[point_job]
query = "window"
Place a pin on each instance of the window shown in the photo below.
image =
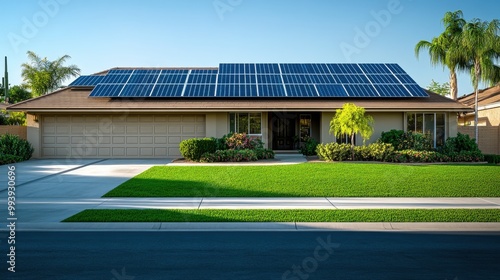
(249, 123)
(305, 127)
(433, 124)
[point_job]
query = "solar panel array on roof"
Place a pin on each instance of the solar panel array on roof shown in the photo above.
(252, 80)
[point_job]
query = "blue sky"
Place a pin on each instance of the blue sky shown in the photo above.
(104, 34)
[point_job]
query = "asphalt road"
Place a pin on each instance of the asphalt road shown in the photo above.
(252, 255)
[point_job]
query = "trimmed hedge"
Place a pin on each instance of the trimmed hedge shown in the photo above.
(334, 151)
(230, 156)
(386, 152)
(193, 149)
(237, 155)
(492, 158)
(14, 149)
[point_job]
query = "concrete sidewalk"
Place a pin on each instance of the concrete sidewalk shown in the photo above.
(262, 203)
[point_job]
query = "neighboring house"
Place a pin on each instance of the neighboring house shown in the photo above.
(488, 107)
(147, 112)
(488, 119)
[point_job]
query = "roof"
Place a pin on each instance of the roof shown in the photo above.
(361, 84)
(256, 80)
(3, 105)
(486, 97)
(78, 100)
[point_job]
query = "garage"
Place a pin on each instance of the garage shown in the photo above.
(118, 135)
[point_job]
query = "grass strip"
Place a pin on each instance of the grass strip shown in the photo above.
(222, 215)
(315, 180)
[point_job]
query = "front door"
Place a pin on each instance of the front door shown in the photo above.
(284, 133)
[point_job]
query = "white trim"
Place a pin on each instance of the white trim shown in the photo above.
(156, 82)
(126, 83)
(185, 83)
(282, 81)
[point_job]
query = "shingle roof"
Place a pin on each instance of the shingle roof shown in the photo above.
(485, 97)
(78, 100)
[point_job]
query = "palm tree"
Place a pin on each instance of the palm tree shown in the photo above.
(442, 48)
(480, 44)
(43, 75)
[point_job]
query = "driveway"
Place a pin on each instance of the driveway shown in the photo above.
(38, 181)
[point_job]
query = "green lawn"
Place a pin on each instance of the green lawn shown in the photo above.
(378, 215)
(315, 180)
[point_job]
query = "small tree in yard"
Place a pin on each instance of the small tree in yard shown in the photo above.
(350, 120)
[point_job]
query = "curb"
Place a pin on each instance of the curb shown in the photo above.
(493, 228)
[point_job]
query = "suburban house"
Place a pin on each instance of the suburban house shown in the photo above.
(147, 112)
(488, 101)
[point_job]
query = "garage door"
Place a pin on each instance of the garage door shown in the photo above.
(118, 136)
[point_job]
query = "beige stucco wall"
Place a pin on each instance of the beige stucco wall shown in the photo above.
(486, 117)
(384, 122)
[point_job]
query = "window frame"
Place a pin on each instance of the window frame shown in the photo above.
(435, 126)
(234, 123)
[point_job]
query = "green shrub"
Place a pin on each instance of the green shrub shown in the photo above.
(264, 153)
(14, 149)
(221, 143)
(334, 151)
(377, 151)
(393, 137)
(401, 140)
(416, 156)
(3, 119)
(193, 149)
(458, 144)
(309, 148)
(466, 156)
(15, 118)
(492, 158)
(241, 141)
(229, 156)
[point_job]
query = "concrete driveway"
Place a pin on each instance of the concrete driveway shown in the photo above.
(38, 181)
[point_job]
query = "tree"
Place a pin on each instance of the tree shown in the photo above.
(441, 89)
(480, 44)
(350, 120)
(442, 49)
(43, 75)
(18, 94)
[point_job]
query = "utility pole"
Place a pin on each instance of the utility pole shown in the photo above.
(6, 82)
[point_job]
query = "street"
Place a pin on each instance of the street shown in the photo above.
(252, 255)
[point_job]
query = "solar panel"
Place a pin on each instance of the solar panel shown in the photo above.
(167, 90)
(136, 90)
(301, 91)
(139, 78)
(106, 90)
(331, 91)
(178, 78)
(250, 80)
(199, 91)
(361, 91)
(120, 71)
(115, 79)
(271, 91)
(87, 81)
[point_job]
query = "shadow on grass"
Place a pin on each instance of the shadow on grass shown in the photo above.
(137, 187)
